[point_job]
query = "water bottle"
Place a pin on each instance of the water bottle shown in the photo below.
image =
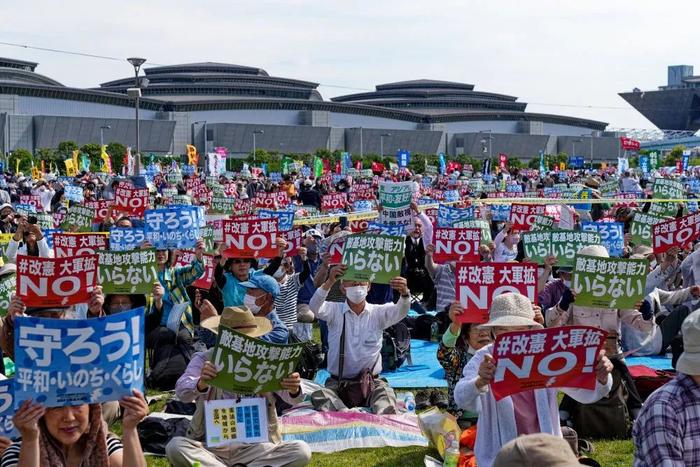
(434, 331)
(410, 402)
(451, 457)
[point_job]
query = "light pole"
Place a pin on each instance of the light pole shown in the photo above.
(204, 138)
(102, 136)
(490, 139)
(381, 142)
(256, 132)
(136, 62)
(573, 146)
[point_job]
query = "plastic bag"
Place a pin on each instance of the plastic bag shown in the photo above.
(440, 428)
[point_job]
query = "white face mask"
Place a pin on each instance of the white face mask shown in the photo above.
(356, 294)
(249, 302)
(567, 283)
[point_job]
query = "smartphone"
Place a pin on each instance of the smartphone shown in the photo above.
(32, 220)
(343, 222)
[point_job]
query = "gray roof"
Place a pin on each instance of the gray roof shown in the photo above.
(424, 83)
(14, 63)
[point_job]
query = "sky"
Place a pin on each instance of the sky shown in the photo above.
(562, 57)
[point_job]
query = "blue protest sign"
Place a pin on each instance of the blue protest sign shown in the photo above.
(48, 235)
(7, 408)
(447, 215)
(403, 157)
(306, 171)
(286, 218)
(543, 169)
(611, 235)
(74, 193)
(125, 238)
(63, 362)
(694, 185)
(336, 178)
(583, 194)
(174, 226)
(384, 229)
(514, 188)
(362, 205)
(500, 212)
(644, 164)
(427, 201)
(275, 177)
(188, 170)
(684, 160)
(692, 206)
(452, 196)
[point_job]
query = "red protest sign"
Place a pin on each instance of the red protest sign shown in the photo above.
(358, 225)
(456, 244)
(522, 216)
(546, 358)
(478, 283)
(333, 201)
(252, 238)
(680, 232)
(101, 208)
(48, 282)
(361, 195)
(78, 244)
(185, 258)
(293, 238)
(271, 200)
(32, 200)
(130, 200)
(628, 144)
(202, 194)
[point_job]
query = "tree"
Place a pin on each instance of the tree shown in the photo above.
(673, 156)
(66, 148)
(25, 159)
(116, 152)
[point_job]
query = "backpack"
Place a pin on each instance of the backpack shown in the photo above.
(396, 347)
(156, 432)
(608, 418)
(311, 357)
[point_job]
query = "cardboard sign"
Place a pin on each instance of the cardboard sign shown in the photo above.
(127, 272)
(564, 244)
(79, 361)
(174, 226)
(680, 232)
(49, 282)
(251, 366)
(78, 244)
(396, 195)
(641, 227)
(78, 219)
(546, 358)
(456, 244)
(333, 201)
(8, 285)
(235, 421)
(286, 218)
(293, 238)
(7, 408)
(451, 217)
(130, 200)
(375, 227)
(478, 283)
(254, 238)
(372, 258)
(523, 216)
(126, 238)
(101, 208)
(612, 235)
(609, 282)
(185, 258)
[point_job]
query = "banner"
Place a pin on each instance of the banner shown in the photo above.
(50, 282)
(612, 235)
(680, 232)
(641, 227)
(67, 244)
(79, 361)
(126, 239)
(130, 200)
(609, 282)
(374, 227)
(127, 272)
(333, 201)
(456, 244)
(546, 358)
(522, 216)
(174, 226)
(372, 258)
(251, 366)
(478, 283)
(285, 218)
(78, 219)
(255, 238)
(628, 144)
(564, 244)
(396, 195)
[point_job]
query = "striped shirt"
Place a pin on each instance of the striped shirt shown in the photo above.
(10, 457)
(286, 301)
(445, 285)
(175, 282)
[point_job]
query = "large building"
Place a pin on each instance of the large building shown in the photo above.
(675, 106)
(237, 107)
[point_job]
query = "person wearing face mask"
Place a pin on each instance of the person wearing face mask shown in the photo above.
(261, 292)
(506, 244)
(355, 332)
(7, 219)
(290, 283)
(312, 241)
(549, 292)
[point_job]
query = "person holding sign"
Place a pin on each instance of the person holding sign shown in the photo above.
(506, 244)
(355, 341)
(28, 240)
(522, 413)
(262, 291)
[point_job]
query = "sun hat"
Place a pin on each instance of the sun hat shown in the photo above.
(7, 268)
(313, 233)
(540, 449)
(689, 361)
(239, 319)
(594, 250)
(511, 309)
(591, 182)
(643, 250)
(262, 281)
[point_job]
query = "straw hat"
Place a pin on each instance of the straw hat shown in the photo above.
(239, 319)
(591, 182)
(511, 309)
(689, 361)
(594, 250)
(537, 449)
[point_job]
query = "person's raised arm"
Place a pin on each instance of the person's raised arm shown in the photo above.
(429, 263)
(135, 409)
(26, 420)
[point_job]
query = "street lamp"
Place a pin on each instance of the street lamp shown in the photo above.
(102, 136)
(381, 142)
(256, 132)
(136, 62)
(490, 139)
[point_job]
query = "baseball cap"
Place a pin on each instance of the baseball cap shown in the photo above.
(264, 282)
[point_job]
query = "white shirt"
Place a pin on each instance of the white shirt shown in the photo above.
(363, 333)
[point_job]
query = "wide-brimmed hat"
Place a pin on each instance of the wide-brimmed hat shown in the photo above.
(537, 449)
(7, 268)
(591, 182)
(239, 319)
(511, 309)
(594, 250)
(643, 250)
(689, 361)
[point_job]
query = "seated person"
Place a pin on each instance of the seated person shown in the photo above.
(261, 292)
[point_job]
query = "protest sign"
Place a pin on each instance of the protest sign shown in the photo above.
(126, 238)
(222, 204)
(584, 194)
(45, 220)
(360, 225)
(251, 366)
(185, 258)
(77, 244)
(174, 226)
(8, 285)
(680, 232)
(448, 216)
(375, 227)
(25, 209)
(609, 282)
(293, 238)
(127, 272)
(49, 282)
(611, 235)
(522, 216)
(48, 235)
(478, 283)
(499, 212)
(79, 361)
(235, 421)
(101, 208)
(207, 234)
(395, 195)
(130, 200)
(401, 216)
(333, 201)
(546, 358)
(286, 218)
(665, 188)
(252, 238)
(74, 193)
(641, 227)
(31, 200)
(480, 224)
(372, 258)
(456, 244)
(7, 408)
(78, 219)
(564, 244)
(278, 199)
(542, 223)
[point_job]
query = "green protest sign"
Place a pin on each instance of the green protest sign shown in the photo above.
(127, 272)
(610, 187)
(44, 220)
(431, 169)
(207, 234)
(396, 195)
(542, 223)
(251, 366)
(564, 244)
(373, 258)
(222, 205)
(641, 227)
(174, 178)
(614, 283)
(665, 188)
(476, 224)
(7, 289)
(78, 219)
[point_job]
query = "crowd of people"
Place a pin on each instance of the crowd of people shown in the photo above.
(280, 299)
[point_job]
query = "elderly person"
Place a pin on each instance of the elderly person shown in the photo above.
(261, 292)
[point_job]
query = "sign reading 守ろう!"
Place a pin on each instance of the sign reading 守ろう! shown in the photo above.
(63, 362)
(560, 243)
(174, 226)
(251, 238)
(7, 408)
(611, 235)
(372, 258)
(126, 238)
(609, 282)
(128, 272)
(49, 282)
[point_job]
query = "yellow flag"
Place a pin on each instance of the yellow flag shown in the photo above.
(562, 166)
(192, 157)
(70, 168)
(36, 174)
(106, 161)
(17, 166)
(76, 153)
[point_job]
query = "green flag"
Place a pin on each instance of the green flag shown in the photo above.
(318, 167)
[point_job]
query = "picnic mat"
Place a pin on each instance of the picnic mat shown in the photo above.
(657, 362)
(338, 431)
(425, 372)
